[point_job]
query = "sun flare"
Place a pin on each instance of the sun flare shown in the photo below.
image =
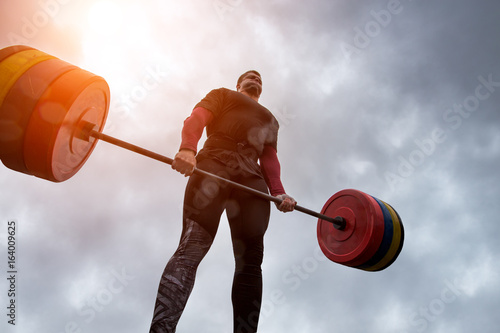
(105, 17)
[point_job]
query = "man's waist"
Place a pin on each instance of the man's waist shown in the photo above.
(227, 143)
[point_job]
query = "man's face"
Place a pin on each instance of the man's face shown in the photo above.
(251, 84)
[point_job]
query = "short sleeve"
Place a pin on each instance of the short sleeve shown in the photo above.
(213, 101)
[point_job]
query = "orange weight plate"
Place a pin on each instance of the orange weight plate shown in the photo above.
(52, 149)
(18, 105)
(15, 65)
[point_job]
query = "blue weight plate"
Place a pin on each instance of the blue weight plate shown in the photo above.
(386, 239)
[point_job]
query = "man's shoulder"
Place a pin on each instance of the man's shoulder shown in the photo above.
(219, 94)
(221, 90)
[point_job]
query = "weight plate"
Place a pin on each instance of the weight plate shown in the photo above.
(387, 239)
(12, 67)
(8, 51)
(51, 149)
(364, 231)
(397, 242)
(18, 106)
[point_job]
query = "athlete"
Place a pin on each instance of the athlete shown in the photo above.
(241, 145)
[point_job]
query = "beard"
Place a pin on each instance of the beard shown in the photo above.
(252, 89)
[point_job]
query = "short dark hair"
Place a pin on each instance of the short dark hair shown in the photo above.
(244, 74)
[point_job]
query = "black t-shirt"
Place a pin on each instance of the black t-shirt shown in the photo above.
(242, 119)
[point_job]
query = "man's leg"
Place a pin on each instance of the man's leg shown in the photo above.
(248, 216)
(177, 280)
(203, 205)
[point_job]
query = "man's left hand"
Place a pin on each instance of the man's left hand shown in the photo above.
(287, 204)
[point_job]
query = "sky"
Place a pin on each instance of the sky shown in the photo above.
(398, 99)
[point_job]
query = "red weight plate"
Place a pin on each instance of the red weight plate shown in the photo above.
(387, 240)
(52, 149)
(361, 237)
(397, 243)
(18, 106)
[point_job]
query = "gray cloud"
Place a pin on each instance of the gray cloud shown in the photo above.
(383, 120)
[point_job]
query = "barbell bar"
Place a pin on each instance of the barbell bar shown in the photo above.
(88, 131)
(52, 115)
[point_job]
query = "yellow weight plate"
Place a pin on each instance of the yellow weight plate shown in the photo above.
(17, 108)
(12, 67)
(396, 243)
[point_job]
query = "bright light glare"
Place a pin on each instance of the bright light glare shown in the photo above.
(105, 17)
(103, 39)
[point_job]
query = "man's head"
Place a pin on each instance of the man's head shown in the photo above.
(250, 82)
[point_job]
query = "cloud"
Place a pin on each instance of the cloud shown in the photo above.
(397, 105)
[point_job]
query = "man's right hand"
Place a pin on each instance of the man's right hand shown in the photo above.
(184, 162)
(287, 204)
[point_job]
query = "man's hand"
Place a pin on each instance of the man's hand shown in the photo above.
(287, 204)
(184, 162)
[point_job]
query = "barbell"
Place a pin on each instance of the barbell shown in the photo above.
(52, 115)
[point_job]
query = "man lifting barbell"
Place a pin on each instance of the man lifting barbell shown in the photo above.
(51, 117)
(240, 132)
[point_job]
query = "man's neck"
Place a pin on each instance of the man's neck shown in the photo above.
(255, 98)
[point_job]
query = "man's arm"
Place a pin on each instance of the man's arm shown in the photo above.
(193, 128)
(184, 160)
(271, 169)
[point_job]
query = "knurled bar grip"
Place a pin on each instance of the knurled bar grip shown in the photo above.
(338, 221)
